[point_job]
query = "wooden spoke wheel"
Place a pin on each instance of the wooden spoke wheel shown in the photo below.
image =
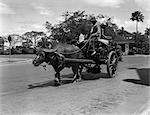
(112, 63)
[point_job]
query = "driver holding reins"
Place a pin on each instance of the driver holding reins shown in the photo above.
(97, 32)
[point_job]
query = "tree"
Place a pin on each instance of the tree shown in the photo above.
(15, 39)
(146, 42)
(138, 17)
(141, 41)
(66, 14)
(74, 24)
(147, 32)
(33, 36)
(70, 29)
(121, 32)
(48, 26)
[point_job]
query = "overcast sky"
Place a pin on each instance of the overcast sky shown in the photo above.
(20, 16)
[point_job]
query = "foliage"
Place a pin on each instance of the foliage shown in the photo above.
(139, 38)
(141, 41)
(121, 31)
(48, 26)
(70, 29)
(33, 36)
(147, 32)
(15, 38)
(1, 40)
(74, 24)
(138, 17)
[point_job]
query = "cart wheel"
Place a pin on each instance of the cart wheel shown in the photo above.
(112, 63)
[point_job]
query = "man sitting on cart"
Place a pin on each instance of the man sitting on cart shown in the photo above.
(97, 32)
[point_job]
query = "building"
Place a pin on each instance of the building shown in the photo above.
(125, 43)
(125, 40)
(1, 45)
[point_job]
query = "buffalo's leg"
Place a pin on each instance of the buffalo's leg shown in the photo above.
(80, 68)
(57, 75)
(57, 78)
(58, 67)
(80, 71)
(77, 75)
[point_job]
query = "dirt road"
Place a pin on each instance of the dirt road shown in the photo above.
(126, 94)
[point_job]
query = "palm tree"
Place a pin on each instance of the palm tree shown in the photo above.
(138, 17)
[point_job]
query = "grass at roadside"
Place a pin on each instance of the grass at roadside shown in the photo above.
(28, 56)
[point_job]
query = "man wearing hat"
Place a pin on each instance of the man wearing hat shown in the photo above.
(97, 32)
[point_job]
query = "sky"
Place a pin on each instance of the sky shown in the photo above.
(20, 16)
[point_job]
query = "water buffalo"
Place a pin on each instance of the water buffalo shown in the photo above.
(56, 58)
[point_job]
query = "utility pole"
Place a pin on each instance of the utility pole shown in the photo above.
(9, 39)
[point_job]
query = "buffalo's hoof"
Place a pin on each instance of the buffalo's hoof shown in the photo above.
(114, 75)
(76, 80)
(57, 83)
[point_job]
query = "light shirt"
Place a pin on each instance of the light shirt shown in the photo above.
(81, 38)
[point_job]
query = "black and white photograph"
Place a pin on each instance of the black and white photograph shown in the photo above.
(74, 57)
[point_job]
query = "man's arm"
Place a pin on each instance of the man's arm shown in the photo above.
(106, 37)
(98, 31)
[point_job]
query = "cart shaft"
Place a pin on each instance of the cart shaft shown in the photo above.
(79, 60)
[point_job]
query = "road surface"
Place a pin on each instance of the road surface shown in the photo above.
(126, 94)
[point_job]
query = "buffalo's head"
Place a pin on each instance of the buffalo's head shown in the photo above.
(40, 57)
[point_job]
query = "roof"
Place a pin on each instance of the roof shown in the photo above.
(127, 33)
(121, 40)
(124, 32)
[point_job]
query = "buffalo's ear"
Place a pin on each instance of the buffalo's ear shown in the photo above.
(45, 50)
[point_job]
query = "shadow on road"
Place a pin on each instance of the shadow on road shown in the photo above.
(46, 84)
(144, 76)
(66, 79)
(94, 76)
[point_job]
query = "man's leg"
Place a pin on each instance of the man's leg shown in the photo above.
(93, 46)
(104, 41)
